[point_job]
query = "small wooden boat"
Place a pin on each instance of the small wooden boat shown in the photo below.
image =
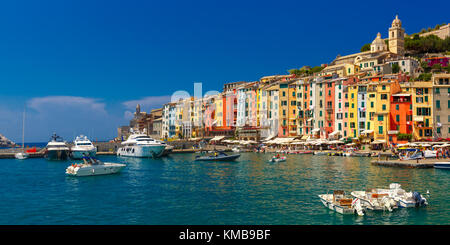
(219, 156)
(342, 204)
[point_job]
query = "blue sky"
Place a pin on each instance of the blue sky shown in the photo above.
(78, 66)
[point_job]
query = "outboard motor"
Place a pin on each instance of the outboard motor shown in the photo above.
(356, 204)
(418, 199)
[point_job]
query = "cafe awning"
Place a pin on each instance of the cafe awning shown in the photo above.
(334, 133)
(217, 138)
(378, 142)
(367, 132)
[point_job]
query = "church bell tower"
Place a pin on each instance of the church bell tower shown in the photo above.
(397, 37)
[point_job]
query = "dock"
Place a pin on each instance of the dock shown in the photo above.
(422, 163)
(12, 155)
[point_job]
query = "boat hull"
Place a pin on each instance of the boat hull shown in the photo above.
(281, 159)
(78, 154)
(103, 169)
(219, 158)
(141, 151)
(442, 165)
(56, 155)
(334, 207)
(374, 204)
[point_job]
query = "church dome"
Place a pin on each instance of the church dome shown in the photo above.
(378, 44)
(396, 22)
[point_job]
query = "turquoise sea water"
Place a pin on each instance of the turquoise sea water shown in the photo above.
(177, 190)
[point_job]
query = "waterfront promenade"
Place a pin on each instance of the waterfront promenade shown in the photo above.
(381, 158)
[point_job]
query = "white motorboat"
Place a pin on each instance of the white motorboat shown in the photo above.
(92, 167)
(56, 149)
(83, 147)
(442, 165)
(429, 154)
(348, 152)
(22, 155)
(235, 149)
(338, 202)
(278, 159)
(375, 201)
(403, 198)
(141, 145)
(410, 154)
(323, 153)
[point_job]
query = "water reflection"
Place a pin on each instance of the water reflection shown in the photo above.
(179, 190)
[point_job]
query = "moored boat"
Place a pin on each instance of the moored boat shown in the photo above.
(56, 149)
(403, 198)
(236, 149)
(82, 147)
(341, 203)
(141, 145)
(321, 153)
(218, 156)
(429, 154)
(442, 165)
(21, 155)
(410, 154)
(375, 201)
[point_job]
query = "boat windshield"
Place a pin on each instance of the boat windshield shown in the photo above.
(84, 144)
(91, 160)
(142, 137)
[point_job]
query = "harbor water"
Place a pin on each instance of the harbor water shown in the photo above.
(178, 190)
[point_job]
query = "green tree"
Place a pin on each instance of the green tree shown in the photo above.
(297, 72)
(366, 47)
(437, 67)
(424, 77)
(316, 69)
(395, 68)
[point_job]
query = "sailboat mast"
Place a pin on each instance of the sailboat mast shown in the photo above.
(23, 131)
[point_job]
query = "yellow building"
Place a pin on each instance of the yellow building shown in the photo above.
(382, 104)
(422, 109)
(284, 109)
(218, 112)
(292, 108)
(259, 106)
(353, 110)
(343, 70)
(371, 108)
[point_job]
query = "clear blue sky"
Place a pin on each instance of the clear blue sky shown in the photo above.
(77, 66)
